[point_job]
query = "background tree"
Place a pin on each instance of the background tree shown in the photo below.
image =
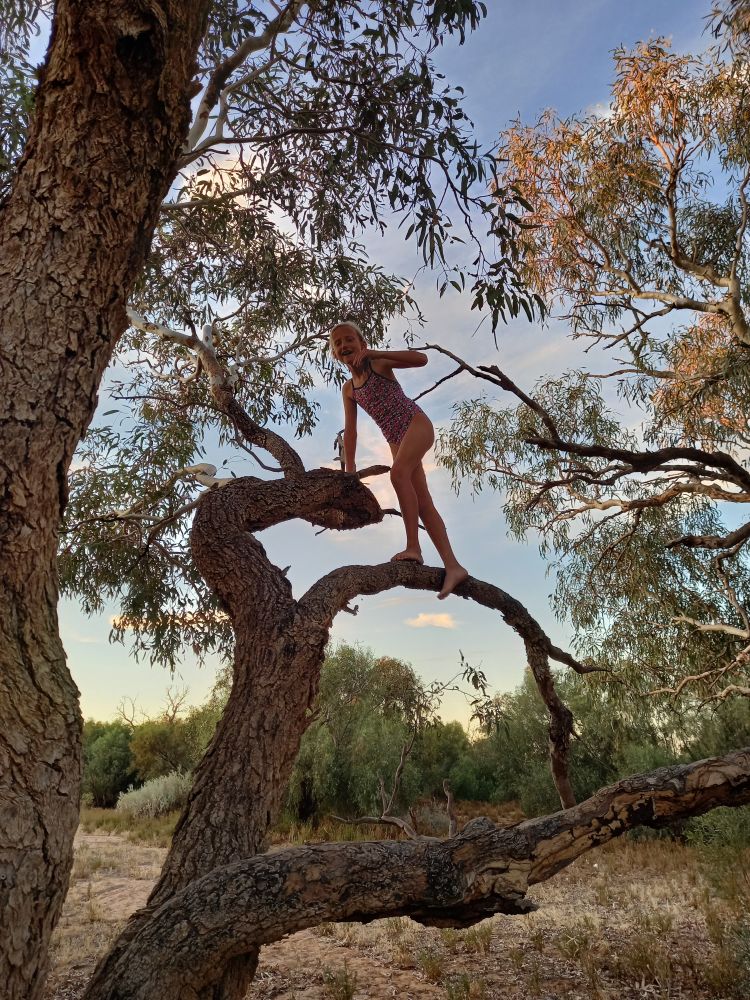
(636, 233)
(442, 754)
(614, 738)
(361, 723)
(158, 747)
(108, 767)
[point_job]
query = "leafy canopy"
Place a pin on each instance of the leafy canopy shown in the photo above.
(315, 125)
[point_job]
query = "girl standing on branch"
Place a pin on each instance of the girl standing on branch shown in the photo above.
(408, 431)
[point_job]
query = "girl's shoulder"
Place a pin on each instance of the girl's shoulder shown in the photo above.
(382, 367)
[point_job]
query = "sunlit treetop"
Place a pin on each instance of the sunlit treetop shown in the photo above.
(730, 23)
(635, 231)
(640, 212)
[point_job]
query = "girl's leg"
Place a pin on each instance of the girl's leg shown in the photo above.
(407, 456)
(415, 500)
(433, 522)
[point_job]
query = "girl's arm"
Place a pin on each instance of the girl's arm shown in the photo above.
(350, 428)
(394, 359)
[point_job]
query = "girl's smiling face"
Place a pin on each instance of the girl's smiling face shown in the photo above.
(346, 343)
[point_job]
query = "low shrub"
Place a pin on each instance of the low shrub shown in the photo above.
(722, 838)
(723, 827)
(339, 984)
(157, 797)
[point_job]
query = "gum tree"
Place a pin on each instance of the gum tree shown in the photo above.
(280, 640)
(135, 106)
(207, 167)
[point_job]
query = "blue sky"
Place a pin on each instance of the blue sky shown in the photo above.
(525, 58)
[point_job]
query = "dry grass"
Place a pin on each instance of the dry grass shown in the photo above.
(156, 832)
(632, 920)
(339, 984)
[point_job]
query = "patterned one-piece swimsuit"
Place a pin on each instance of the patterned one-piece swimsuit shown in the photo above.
(385, 401)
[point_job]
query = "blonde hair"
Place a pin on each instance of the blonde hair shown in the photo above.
(352, 326)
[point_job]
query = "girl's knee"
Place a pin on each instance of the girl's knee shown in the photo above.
(400, 474)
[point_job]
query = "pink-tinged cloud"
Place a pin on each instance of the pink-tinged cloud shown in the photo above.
(432, 621)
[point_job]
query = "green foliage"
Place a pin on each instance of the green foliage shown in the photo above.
(108, 767)
(352, 125)
(20, 22)
(157, 797)
(199, 725)
(170, 743)
(722, 729)
(341, 125)
(723, 828)
(121, 474)
(367, 709)
(723, 834)
(605, 568)
(118, 755)
(363, 721)
(604, 180)
(442, 752)
(612, 741)
(159, 747)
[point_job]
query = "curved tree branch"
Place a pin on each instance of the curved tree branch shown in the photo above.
(728, 541)
(222, 391)
(706, 463)
(222, 72)
(280, 646)
(333, 592)
(339, 500)
(650, 461)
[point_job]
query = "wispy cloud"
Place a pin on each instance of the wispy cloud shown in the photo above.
(432, 621)
(71, 635)
(399, 599)
(185, 619)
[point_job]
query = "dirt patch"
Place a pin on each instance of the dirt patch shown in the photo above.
(632, 921)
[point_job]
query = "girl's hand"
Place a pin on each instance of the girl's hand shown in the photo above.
(358, 359)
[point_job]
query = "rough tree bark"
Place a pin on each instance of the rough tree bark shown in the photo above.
(453, 882)
(112, 114)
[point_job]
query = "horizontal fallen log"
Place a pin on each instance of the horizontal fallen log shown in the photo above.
(454, 882)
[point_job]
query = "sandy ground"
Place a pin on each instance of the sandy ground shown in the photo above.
(630, 921)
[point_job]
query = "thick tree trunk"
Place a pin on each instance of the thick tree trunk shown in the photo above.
(454, 882)
(241, 780)
(39, 765)
(112, 113)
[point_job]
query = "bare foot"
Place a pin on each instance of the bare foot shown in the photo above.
(452, 579)
(408, 555)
